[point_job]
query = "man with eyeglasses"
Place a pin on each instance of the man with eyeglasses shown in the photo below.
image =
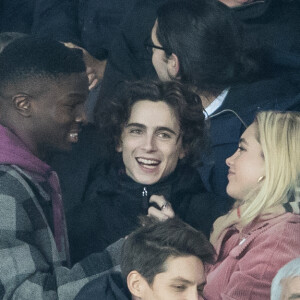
(198, 43)
(272, 24)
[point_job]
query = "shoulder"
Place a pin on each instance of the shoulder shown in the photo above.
(273, 236)
(281, 223)
(103, 286)
(14, 182)
(263, 94)
(286, 226)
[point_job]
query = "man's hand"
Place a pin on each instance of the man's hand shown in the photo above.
(94, 68)
(165, 212)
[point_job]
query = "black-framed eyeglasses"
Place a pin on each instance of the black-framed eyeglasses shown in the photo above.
(149, 46)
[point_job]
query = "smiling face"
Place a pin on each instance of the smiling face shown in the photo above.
(57, 113)
(246, 165)
(151, 143)
(184, 279)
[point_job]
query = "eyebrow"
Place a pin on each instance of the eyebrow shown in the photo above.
(183, 280)
(294, 296)
(159, 128)
(242, 140)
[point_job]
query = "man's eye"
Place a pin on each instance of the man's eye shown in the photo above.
(164, 135)
(135, 131)
(179, 287)
(240, 148)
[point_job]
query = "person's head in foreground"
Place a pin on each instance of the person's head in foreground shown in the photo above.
(165, 260)
(265, 170)
(154, 125)
(197, 42)
(43, 87)
(286, 283)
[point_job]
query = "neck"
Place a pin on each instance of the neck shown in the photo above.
(208, 97)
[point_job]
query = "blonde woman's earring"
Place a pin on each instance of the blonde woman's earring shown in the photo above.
(261, 178)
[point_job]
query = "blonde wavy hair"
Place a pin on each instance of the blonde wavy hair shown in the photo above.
(279, 136)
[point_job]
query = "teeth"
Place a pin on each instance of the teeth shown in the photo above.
(73, 135)
(147, 161)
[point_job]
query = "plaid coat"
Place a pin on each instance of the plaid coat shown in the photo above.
(30, 264)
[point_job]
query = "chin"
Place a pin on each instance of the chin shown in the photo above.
(146, 181)
(63, 149)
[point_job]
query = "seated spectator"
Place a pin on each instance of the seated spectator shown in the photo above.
(196, 43)
(43, 87)
(77, 169)
(272, 25)
(158, 261)
(286, 283)
(256, 238)
(89, 24)
(154, 131)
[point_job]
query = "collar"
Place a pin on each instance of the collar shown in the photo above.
(15, 152)
(212, 107)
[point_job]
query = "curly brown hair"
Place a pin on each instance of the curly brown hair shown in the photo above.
(113, 115)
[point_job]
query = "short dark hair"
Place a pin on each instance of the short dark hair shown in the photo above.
(146, 249)
(206, 39)
(113, 114)
(32, 57)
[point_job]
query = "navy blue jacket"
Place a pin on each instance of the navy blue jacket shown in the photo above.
(226, 128)
(109, 286)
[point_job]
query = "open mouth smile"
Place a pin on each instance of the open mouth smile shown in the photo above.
(147, 162)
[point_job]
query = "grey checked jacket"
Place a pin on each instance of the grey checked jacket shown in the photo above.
(30, 265)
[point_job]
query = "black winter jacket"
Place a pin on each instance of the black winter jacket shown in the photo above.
(115, 201)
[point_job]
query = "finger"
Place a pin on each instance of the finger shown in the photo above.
(168, 211)
(156, 213)
(91, 77)
(93, 84)
(159, 200)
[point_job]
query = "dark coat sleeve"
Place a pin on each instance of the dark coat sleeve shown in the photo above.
(128, 58)
(16, 16)
(57, 19)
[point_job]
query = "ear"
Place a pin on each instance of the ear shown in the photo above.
(173, 65)
(22, 103)
(136, 284)
(183, 150)
(119, 143)
(182, 153)
(119, 147)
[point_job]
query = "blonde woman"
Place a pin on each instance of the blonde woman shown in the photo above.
(258, 236)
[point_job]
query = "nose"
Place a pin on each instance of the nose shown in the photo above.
(230, 159)
(194, 295)
(149, 143)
